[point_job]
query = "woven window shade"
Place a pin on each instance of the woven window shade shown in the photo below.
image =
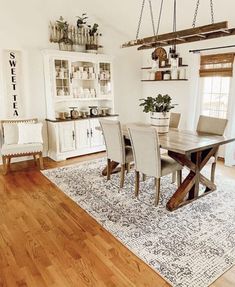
(218, 65)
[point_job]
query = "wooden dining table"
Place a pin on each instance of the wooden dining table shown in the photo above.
(192, 150)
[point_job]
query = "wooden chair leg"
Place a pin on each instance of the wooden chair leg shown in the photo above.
(157, 195)
(4, 163)
(179, 177)
(108, 169)
(122, 175)
(144, 177)
(137, 183)
(35, 160)
(213, 167)
(41, 161)
(8, 163)
(173, 177)
(128, 167)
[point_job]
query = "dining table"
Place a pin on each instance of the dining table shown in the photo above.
(192, 150)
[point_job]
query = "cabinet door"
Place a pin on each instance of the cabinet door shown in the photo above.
(97, 138)
(67, 136)
(82, 132)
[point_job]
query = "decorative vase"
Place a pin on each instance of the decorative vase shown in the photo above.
(161, 121)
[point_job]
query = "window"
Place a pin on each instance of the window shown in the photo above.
(215, 96)
(216, 71)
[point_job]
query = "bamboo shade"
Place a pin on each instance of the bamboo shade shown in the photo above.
(217, 65)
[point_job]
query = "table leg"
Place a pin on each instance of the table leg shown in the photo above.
(113, 169)
(190, 186)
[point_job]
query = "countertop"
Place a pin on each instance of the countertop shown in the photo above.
(57, 120)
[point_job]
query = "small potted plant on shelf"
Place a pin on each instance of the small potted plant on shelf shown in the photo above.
(92, 46)
(81, 21)
(159, 108)
(65, 43)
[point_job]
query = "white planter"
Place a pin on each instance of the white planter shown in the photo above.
(161, 121)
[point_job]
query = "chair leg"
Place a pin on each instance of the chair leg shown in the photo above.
(8, 163)
(128, 167)
(179, 177)
(144, 177)
(157, 195)
(173, 177)
(137, 183)
(4, 163)
(35, 159)
(122, 175)
(41, 161)
(108, 169)
(213, 167)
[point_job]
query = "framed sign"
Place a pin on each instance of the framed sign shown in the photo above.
(13, 78)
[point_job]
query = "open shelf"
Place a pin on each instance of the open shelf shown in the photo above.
(163, 68)
(84, 99)
(164, 80)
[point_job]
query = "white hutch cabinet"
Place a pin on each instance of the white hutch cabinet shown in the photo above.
(76, 80)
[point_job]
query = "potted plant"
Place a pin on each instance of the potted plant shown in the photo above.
(65, 43)
(159, 109)
(93, 46)
(81, 21)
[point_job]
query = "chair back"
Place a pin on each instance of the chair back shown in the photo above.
(146, 150)
(210, 125)
(175, 120)
(114, 140)
(16, 121)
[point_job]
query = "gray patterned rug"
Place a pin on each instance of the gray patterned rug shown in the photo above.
(191, 247)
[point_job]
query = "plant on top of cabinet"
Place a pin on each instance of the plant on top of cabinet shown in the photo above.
(65, 43)
(159, 108)
(84, 37)
(81, 22)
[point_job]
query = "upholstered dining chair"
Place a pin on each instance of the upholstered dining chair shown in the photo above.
(174, 120)
(11, 146)
(215, 126)
(115, 146)
(174, 123)
(147, 157)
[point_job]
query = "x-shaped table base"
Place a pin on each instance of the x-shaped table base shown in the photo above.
(190, 186)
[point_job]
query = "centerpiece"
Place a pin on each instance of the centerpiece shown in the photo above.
(159, 108)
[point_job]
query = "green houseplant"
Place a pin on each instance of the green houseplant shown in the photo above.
(159, 108)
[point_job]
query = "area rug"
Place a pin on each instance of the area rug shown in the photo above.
(190, 247)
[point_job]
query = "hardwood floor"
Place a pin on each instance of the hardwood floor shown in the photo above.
(48, 240)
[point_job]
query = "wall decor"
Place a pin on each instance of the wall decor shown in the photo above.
(13, 79)
(79, 37)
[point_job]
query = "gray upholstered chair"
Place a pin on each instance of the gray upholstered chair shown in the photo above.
(174, 120)
(147, 157)
(215, 126)
(174, 123)
(11, 148)
(115, 146)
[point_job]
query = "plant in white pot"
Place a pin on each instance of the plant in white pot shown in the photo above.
(159, 109)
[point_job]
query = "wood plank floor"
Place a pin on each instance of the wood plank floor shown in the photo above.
(48, 240)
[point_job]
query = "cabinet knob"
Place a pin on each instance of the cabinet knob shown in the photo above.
(87, 132)
(73, 135)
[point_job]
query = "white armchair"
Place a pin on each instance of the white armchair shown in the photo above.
(15, 146)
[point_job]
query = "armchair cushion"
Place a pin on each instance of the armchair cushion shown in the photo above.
(10, 133)
(17, 149)
(30, 133)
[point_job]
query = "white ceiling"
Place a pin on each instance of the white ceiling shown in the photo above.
(123, 15)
